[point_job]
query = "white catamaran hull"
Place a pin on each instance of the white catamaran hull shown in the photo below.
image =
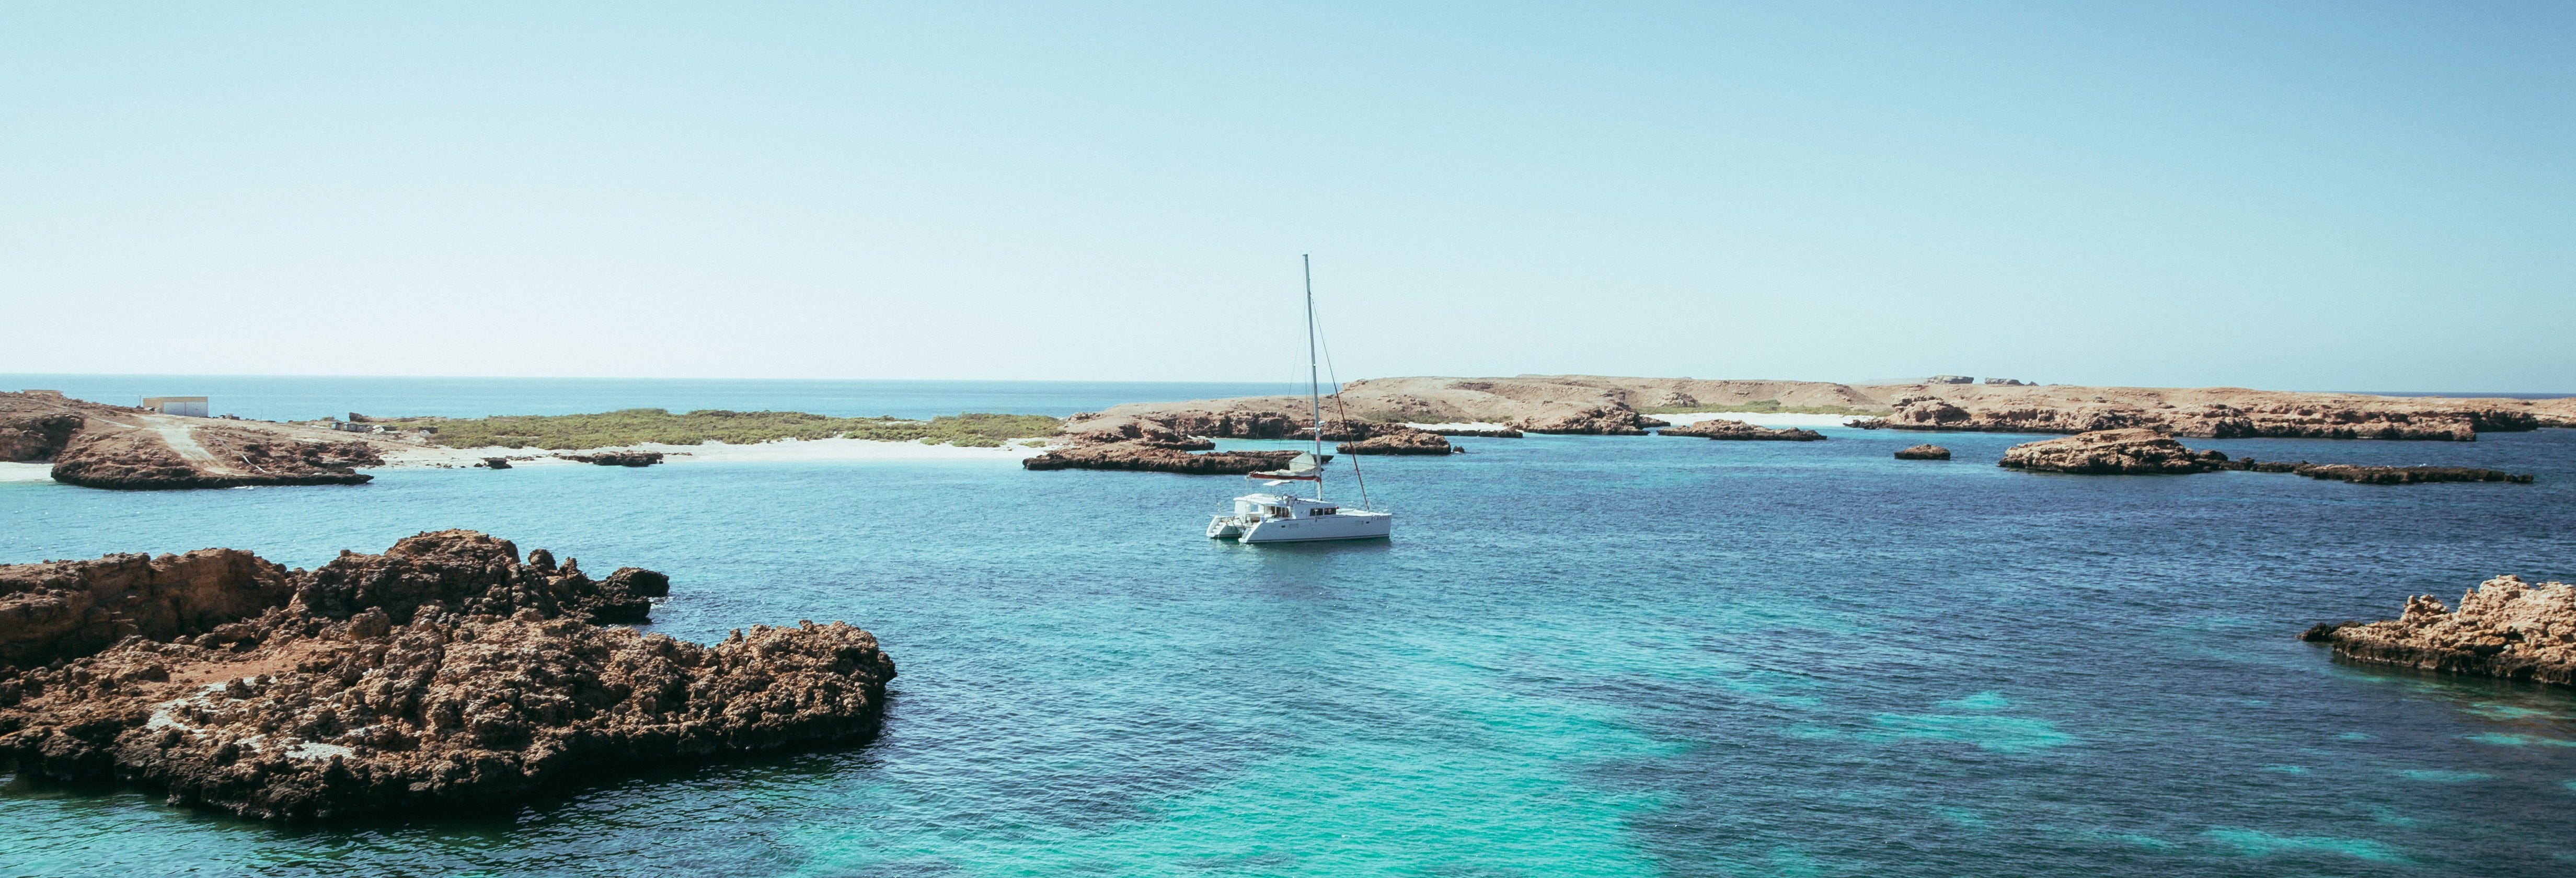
(1345, 526)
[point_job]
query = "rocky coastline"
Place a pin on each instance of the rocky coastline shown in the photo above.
(2222, 413)
(445, 672)
(1721, 428)
(1615, 406)
(1141, 456)
(2502, 628)
(2141, 451)
(122, 448)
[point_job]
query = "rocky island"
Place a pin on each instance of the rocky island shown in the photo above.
(2140, 451)
(2502, 628)
(444, 672)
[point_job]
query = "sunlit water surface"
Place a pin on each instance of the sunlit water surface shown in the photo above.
(1579, 656)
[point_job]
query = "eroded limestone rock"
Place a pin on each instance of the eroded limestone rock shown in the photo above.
(2503, 628)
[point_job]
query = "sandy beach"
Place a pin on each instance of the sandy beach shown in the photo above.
(26, 472)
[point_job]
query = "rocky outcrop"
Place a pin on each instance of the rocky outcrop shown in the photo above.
(2209, 414)
(1144, 456)
(105, 446)
(1504, 433)
(155, 459)
(35, 436)
(1923, 452)
(443, 673)
(1595, 421)
(2113, 452)
(496, 463)
(2143, 451)
(1403, 440)
(1592, 404)
(66, 609)
(616, 458)
(1723, 428)
(2503, 628)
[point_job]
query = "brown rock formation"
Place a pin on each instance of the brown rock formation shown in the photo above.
(1399, 441)
(1535, 403)
(442, 673)
(2217, 413)
(1723, 428)
(1588, 403)
(1143, 456)
(496, 463)
(35, 436)
(1923, 452)
(2144, 451)
(104, 446)
(1595, 421)
(66, 609)
(2113, 452)
(617, 458)
(2503, 628)
(157, 458)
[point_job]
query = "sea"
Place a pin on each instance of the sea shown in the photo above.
(1577, 656)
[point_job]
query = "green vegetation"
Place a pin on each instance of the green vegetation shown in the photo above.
(1765, 406)
(632, 426)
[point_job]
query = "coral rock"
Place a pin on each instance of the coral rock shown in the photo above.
(1923, 452)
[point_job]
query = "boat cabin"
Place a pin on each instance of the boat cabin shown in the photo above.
(1266, 506)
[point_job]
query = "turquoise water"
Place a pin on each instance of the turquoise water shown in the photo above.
(1579, 656)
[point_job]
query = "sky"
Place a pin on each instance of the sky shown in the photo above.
(2342, 195)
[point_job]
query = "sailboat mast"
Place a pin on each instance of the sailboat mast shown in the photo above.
(1314, 384)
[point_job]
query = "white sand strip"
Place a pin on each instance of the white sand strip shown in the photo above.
(26, 472)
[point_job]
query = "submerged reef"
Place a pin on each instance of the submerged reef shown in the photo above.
(443, 672)
(2503, 628)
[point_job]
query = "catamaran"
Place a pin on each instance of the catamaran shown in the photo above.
(1287, 518)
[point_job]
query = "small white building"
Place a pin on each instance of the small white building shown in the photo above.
(191, 406)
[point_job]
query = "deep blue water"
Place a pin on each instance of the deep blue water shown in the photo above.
(1579, 656)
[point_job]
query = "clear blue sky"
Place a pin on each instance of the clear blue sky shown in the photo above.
(2317, 196)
